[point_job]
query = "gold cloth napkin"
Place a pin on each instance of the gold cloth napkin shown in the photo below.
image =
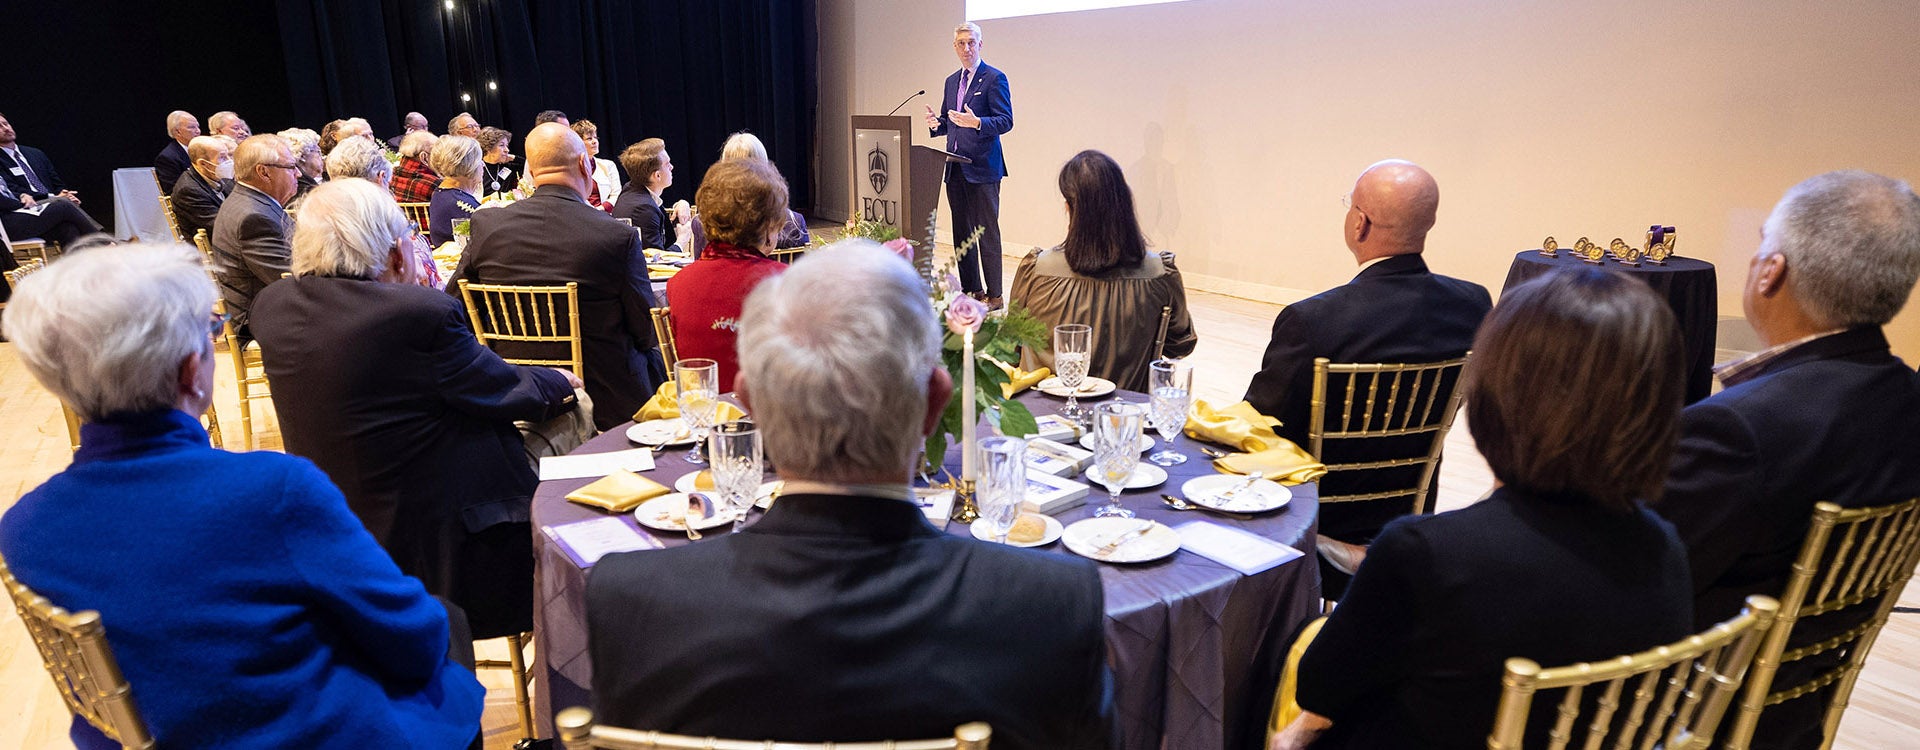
(618, 492)
(665, 404)
(1019, 380)
(1267, 454)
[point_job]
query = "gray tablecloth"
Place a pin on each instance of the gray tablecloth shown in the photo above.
(136, 206)
(1195, 647)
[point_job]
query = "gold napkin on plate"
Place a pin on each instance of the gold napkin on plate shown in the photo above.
(665, 404)
(1019, 380)
(1241, 426)
(618, 492)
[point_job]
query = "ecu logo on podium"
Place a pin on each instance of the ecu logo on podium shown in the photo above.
(877, 169)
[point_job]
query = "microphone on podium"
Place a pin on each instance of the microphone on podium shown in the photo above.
(903, 102)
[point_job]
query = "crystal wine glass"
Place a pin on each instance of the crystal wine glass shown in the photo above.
(1116, 451)
(698, 383)
(1002, 485)
(736, 466)
(1170, 383)
(1072, 350)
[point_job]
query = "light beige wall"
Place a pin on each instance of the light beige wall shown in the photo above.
(1241, 122)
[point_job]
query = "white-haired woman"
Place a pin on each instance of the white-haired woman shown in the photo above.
(745, 145)
(247, 606)
(457, 159)
(362, 158)
(312, 167)
(382, 385)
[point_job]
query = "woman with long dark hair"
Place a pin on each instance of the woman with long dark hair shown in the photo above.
(1102, 275)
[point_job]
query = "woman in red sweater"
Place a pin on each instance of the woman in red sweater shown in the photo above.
(743, 203)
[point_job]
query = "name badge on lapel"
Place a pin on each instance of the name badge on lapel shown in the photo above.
(18, 172)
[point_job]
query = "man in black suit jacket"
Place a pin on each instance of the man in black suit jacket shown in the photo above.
(33, 200)
(251, 233)
(27, 170)
(1825, 413)
(842, 614)
(198, 194)
(976, 108)
(173, 161)
(1396, 311)
(554, 237)
(650, 171)
(381, 384)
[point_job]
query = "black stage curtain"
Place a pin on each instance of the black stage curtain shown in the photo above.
(93, 81)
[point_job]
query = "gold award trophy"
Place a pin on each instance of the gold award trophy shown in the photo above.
(1584, 249)
(1659, 244)
(1623, 252)
(1550, 247)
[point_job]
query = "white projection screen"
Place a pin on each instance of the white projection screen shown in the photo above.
(981, 10)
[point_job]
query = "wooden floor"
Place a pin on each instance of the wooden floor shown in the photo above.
(1885, 709)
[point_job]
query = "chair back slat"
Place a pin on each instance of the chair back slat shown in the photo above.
(578, 732)
(527, 314)
(1860, 557)
(173, 222)
(416, 213)
(1681, 690)
(73, 646)
(663, 333)
(1419, 401)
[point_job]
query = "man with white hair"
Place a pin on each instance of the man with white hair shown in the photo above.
(463, 124)
(842, 614)
(553, 237)
(414, 122)
(198, 194)
(251, 233)
(976, 108)
(383, 386)
(173, 161)
(229, 124)
(1825, 413)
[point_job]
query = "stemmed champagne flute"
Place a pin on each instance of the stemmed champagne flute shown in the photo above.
(1072, 350)
(1170, 383)
(698, 383)
(736, 466)
(1002, 485)
(1116, 451)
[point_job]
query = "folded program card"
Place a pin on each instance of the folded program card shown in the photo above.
(585, 542)
(618, 492)
(1239, 549)
(936, 503)
(595, 464)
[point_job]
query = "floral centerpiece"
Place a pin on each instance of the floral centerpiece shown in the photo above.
(977, 341)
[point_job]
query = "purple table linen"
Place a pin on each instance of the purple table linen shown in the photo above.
(1195, 647)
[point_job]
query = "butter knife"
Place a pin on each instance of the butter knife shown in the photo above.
(1107, 550)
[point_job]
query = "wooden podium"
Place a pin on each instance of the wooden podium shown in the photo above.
(896, 184)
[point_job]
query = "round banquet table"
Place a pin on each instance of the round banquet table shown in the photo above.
(1196, 647)
(1688, 285)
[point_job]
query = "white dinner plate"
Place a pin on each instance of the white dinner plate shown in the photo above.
(982, 533)
(1089, 537)
(1086, 441)
(1089, 387)
(1145, 475)
(667, 512)
(1236, 493)
(661, 432)
(762, 497)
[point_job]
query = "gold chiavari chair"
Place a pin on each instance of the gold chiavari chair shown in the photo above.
(1385, 401)
(516, 662)
(73, 646)
(249, 372)
(1861, 558)
(578, 732)
(789, 255)
(663, 332)
(26, 248)
(173, 222)
(529, 314)
(417, 213)
(1678, 694)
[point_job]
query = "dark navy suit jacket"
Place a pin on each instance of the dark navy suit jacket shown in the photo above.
(42, 168)
(839, 618)
(988, 97)
(170, 164)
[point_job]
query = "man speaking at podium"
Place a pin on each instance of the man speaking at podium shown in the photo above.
(975, 108)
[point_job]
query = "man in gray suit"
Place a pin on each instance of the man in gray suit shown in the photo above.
(250, 234)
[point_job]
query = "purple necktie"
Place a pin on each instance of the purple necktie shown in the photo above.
(960, 97)
(33, 180)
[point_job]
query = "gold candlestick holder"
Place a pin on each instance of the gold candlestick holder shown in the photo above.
(964, 509)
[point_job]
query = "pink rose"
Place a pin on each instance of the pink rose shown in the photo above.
(964, 314)
(900, 247)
